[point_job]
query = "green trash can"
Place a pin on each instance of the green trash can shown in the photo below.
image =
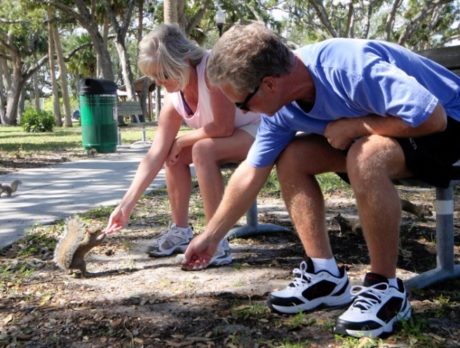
(98, 115)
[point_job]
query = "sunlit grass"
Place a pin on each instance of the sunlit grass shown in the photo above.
(15, 141)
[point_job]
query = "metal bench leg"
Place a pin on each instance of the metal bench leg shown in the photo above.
(252, 226)
(446, 267)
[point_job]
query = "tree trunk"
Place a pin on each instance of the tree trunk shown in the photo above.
(89, 23)
(3, 82)
(125, 70)
(170, 11)
(12, 101)
(105, 38)
(140, 23)
(36, 90)
(54, 87)
(21, 103)
(63, 76)
(121, 28)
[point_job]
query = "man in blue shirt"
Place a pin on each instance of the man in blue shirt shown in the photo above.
(370, 110)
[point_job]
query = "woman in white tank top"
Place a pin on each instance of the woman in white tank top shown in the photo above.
(221, 134)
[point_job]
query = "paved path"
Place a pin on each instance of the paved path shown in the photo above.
(56, 192)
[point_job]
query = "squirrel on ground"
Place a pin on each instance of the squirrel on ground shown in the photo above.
(9, 189)
(75, 243)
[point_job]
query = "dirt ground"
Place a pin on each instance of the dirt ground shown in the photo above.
(132, 300)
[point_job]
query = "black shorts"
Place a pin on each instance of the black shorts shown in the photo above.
(430, 157)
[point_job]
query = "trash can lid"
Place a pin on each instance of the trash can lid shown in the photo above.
(97, 86)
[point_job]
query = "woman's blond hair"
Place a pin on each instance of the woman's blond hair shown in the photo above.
(166, 53)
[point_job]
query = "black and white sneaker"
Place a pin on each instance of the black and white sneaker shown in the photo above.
(376, 309)
(311, 290)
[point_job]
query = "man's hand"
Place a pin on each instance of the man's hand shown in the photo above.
(340, 133)
(199, 253)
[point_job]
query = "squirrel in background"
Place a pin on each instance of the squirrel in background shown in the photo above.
(9, 189)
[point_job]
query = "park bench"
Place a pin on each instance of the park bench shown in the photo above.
(133, 109)
(446, 268)
(252, 226)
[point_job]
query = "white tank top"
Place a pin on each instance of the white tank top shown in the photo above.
(203, 114)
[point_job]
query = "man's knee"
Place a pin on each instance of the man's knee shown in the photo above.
(371, 156)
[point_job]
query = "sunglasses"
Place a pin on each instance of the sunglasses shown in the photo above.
(244, 104)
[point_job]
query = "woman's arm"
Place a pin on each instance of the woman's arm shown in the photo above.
(150, 165)
(222, 125)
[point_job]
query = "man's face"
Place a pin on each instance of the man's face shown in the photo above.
(256, 101)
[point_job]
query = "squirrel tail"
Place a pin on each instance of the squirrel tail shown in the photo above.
(15, 184)
(69, 242)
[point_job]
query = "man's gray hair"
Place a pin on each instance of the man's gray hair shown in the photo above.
(167, 53)
(245, 54)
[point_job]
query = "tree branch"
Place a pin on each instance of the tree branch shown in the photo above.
(322, 14)
(426, 11)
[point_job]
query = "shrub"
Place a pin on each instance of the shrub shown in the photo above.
(34, 121)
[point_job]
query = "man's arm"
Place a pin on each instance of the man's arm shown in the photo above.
(240, 193)
(341, 133)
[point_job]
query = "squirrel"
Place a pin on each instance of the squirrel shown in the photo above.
(347, 225)
(9, 189)
(75, 243)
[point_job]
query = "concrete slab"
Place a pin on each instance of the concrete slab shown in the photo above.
(56, 192)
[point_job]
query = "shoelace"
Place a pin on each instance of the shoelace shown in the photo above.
(171, 231)
(366, 297)
(301, 275)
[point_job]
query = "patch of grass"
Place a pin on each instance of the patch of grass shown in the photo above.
(444, 306)
(15, 272)
(415, 331)
(36, 244)
(328, 325)
(290, 344)
(14, 139)
(330, 182)
(98, 213)
(299, 320)
(364, 342)
(272, 186)
(254, 311)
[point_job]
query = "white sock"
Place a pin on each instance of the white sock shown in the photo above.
(393, 282)
(182, 229)
(326, 265)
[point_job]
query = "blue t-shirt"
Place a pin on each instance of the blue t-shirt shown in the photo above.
(355, 78)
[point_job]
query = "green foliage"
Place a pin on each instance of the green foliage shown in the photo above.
(252, 310)
(417, 24)
(35, 121)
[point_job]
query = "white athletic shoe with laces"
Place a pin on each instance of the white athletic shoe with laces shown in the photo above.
(376, 309)
(311, 290)
(223, 255)
(171, 241)
(175, 240)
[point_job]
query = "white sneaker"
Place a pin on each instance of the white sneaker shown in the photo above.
(173, 240)
(376, 308)
(311, 290)
(223, 255)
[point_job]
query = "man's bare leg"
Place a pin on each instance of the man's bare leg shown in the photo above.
(371, 164)
(300, 161)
